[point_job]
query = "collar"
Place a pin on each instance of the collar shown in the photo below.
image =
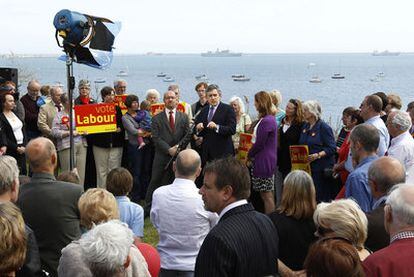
(367, 160)
(400, 138)
(375, 117)
(379, 202)
(402, 235)
(183, 182)
(232, 206)
(122, 198)
(43, 175)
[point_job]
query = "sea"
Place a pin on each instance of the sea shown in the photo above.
(289, 73)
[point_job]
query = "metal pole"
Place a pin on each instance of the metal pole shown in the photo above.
(70, 86)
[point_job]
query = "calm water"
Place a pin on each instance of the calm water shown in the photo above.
(289, 73)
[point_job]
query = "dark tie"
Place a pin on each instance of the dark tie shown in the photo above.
(171, 118)
(210, 114)
(58, 107)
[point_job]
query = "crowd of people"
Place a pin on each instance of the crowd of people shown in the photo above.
(351, 214)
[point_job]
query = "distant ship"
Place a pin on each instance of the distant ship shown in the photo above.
(315, 79)
(338, 76)
(122, 73)
(221, 53)
(168, 79)
(240, 78)
(201, 77)
(385, 53)
(161, 74)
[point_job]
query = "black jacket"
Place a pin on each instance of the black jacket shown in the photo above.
(8, 135)
(113, 139)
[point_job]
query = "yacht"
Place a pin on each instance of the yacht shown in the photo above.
(201, 77)
(100, 81)
(315, 79)
(168, 79)
(161, 74)
(338, 76)
(240, 78)
(122, 73)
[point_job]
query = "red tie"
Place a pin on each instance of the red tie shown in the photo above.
(171, 118)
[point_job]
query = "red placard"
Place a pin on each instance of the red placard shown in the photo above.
(120, 101)
(245, 143)
(157, 108)
(95, 118)
(299, 157)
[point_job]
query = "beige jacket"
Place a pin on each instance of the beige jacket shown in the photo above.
(47, 113)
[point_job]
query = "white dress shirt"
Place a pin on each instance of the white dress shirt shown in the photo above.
(377, 122)
(182, 223)
(402, 148)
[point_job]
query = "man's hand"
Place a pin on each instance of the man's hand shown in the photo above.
(173, 150)
(199, 141)
(212, 125)
(199, 127)
(3, 150)
(21, 149)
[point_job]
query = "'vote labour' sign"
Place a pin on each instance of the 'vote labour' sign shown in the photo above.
(95, 118)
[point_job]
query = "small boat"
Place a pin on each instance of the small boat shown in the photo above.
(100, 81)
(240, 78)
(161, 74)
(221, 53)
(338, 76)
(168, 79)
(315, 79)
(237, 76)
(385, 53)
(122, 73)
(201, 77)
(381, 74)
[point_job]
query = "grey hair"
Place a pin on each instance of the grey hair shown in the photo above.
(402, 207)
(275, 94)
(106, 247)
(239, 101)
(152, 91)
(117, 81)
(55, 89)
(345, 218)
(9, 172)
(313, 107)
(367, 135)
(401, 120)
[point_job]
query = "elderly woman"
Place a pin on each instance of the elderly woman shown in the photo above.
(319, 138)
(153, 96)
(293, 219)
(13, 131)
(263, 152)
(276, 101)
(243, 120)
(60, 132)
(344, 219)
(107, 147)
(96, 206)
(135, 155)
(13, 239)
(289, 134)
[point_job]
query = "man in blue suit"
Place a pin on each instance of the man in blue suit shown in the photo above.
(244, 242)
(216, 123)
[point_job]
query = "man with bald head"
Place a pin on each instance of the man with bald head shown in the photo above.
(397, 258)
(49, 207)
(168, 128)
(383, 174)
(179, 216)
(31, 109)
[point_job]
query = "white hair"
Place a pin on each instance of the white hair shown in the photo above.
(313, 107)
(401, 120)
(106, 247)
(9, 172)
(153, 92)
(239, 101)
(117, 81)
(401, 200)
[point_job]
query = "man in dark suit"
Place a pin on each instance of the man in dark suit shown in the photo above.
(244, 242)
(383, 174)
(168, 128)
(49, 207)
(216, 123)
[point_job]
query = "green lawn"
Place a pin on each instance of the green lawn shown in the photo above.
(150, 233)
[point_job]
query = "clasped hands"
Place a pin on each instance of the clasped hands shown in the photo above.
(211, 125)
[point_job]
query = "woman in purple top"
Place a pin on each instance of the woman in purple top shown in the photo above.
(263, 152)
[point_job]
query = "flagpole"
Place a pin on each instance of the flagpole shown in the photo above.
(70, 86)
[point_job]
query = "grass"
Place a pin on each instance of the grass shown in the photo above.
(150, 233)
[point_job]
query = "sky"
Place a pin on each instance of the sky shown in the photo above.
(194, 26)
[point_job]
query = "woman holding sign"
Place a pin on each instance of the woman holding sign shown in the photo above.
(319, 138)
(243, 120)
(263, 152)
(60, 132)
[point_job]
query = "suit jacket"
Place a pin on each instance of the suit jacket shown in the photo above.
(50, 208)
(243, 243)
(8, 136)
(286, 139)
(217, 144)
(377, 238)
(164, 138)
(47, 113)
